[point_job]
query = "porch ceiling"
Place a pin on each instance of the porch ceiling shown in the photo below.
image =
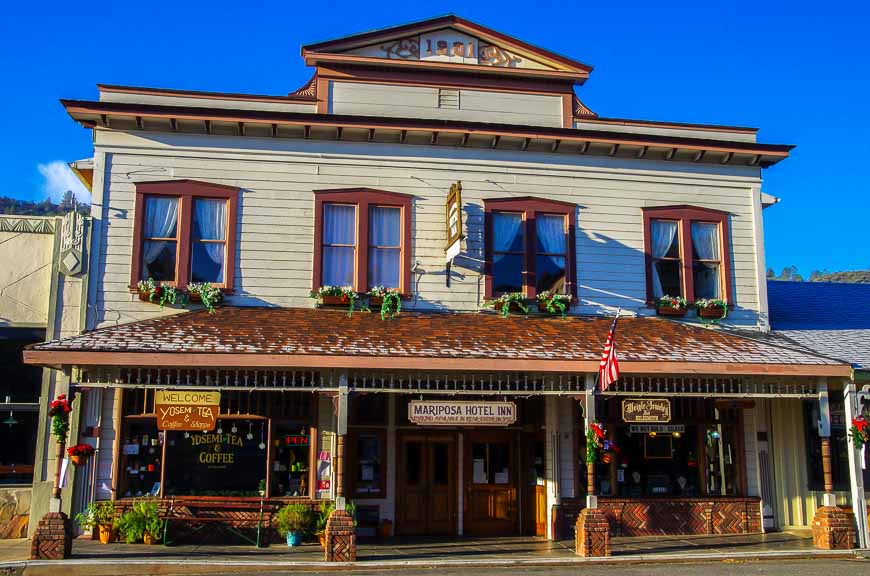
(253, 337)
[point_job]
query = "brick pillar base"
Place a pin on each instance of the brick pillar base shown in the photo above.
(340, 538)
(833, 529)
(53, 538)
(592, 533)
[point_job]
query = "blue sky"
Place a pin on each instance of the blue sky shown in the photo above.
(796, 69)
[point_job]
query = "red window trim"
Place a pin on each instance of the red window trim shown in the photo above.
(529, 206)
(685, 215)
(363, 198)
(186, 191)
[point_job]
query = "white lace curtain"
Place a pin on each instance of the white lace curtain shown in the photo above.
(664, 235)
(210, 221)
(385, 230)
(339, 240)
(161, 219)
(705, 246)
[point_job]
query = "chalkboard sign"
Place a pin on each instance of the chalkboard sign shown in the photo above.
(211, 464)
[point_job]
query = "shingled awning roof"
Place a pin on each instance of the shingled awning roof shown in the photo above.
(317, 338)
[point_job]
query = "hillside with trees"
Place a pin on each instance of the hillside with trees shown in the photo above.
(791, 274)
(45, 207)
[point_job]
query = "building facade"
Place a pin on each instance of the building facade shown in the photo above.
(453, 165)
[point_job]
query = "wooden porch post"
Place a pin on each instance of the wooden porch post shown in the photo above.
(591, 500)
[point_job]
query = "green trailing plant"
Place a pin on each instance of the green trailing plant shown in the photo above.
(344, 294)
(294, 518)
(149, 287)
(675, 302)
(208, 294)
(143, 518)
(554, 303)
(712, 304)
(594, 442)
(104, 512)
(391, 301)
(58, 411)
(504, 302)
(160, 293)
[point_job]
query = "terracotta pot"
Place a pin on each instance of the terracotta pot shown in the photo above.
(78, 459)
(714, 312)
(669, 311)
(327, 300)
(150, 540)
(107, 534)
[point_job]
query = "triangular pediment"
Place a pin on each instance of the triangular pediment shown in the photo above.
(449, 39)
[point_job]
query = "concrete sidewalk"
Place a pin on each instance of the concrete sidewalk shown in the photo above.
(95, 559)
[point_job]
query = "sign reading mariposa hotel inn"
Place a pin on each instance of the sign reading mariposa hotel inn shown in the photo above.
(191, 410)
(462, 413)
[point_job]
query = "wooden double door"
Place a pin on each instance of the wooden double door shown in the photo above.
(426, 493)
(491, 481)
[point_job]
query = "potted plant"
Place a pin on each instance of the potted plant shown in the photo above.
(671, 306)
(205, 293)
(387, 299)
(326, 510)
(553, 303)
(711, 308)
(507, 303)
(860, 431)
(337, 296)
(261, 487)
(142, 523)
(293, 521)
(104, 517)
(80, 453)
(149, 290)
(87, 520)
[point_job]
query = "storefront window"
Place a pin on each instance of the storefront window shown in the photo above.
(490, 463)
(367, 465)
(141, 458)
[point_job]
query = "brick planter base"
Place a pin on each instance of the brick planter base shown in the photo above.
(833, 529)
(53, 538)
(340, 538)
(592, 533)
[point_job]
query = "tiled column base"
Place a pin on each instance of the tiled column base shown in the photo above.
(833, 529)
(53, 538)
(592, 533)
(340, 538)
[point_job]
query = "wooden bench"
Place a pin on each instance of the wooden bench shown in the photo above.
(232, 515)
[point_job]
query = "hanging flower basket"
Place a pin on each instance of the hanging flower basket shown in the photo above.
(80, 453)
(671, 306)
(860, 431)
(59, 411)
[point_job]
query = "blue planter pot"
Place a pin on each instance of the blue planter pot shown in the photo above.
(294, 538)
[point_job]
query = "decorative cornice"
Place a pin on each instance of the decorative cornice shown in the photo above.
(581, 110)
(309, 90)
(26, 225)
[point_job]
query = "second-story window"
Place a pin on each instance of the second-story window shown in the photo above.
(529, 246)
(184, 232)
(363, 239)
(687, 253)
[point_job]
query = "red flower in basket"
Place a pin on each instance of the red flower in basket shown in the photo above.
(79, 453)
(598, 431)
(59, 407)
(860, 423)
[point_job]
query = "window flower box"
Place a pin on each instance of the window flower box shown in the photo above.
(205, 294)
(337, 296)
(552, 303)
(387, 300)
(513, 303)
(671, 306)
(711, 309)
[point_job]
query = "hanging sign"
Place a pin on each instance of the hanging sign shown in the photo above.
(657, 428)
(646, 410)
(461, 413)
(454, 221)
(191, 410)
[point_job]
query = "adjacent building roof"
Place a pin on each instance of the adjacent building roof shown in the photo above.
(304, 337)
(826, 317)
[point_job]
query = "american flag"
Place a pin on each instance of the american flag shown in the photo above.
(608, 370)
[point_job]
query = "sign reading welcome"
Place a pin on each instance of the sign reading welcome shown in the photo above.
(646, 410)
(190, 410)
(461, 413)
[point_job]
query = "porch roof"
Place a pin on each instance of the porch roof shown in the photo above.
(319, 338)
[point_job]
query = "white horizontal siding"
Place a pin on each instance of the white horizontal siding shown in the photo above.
(276, 217)
(422, 102)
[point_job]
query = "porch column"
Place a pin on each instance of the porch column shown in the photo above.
(592, 531)
(833, 527)
(853, 402)
(551, 424)
(340, 532)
